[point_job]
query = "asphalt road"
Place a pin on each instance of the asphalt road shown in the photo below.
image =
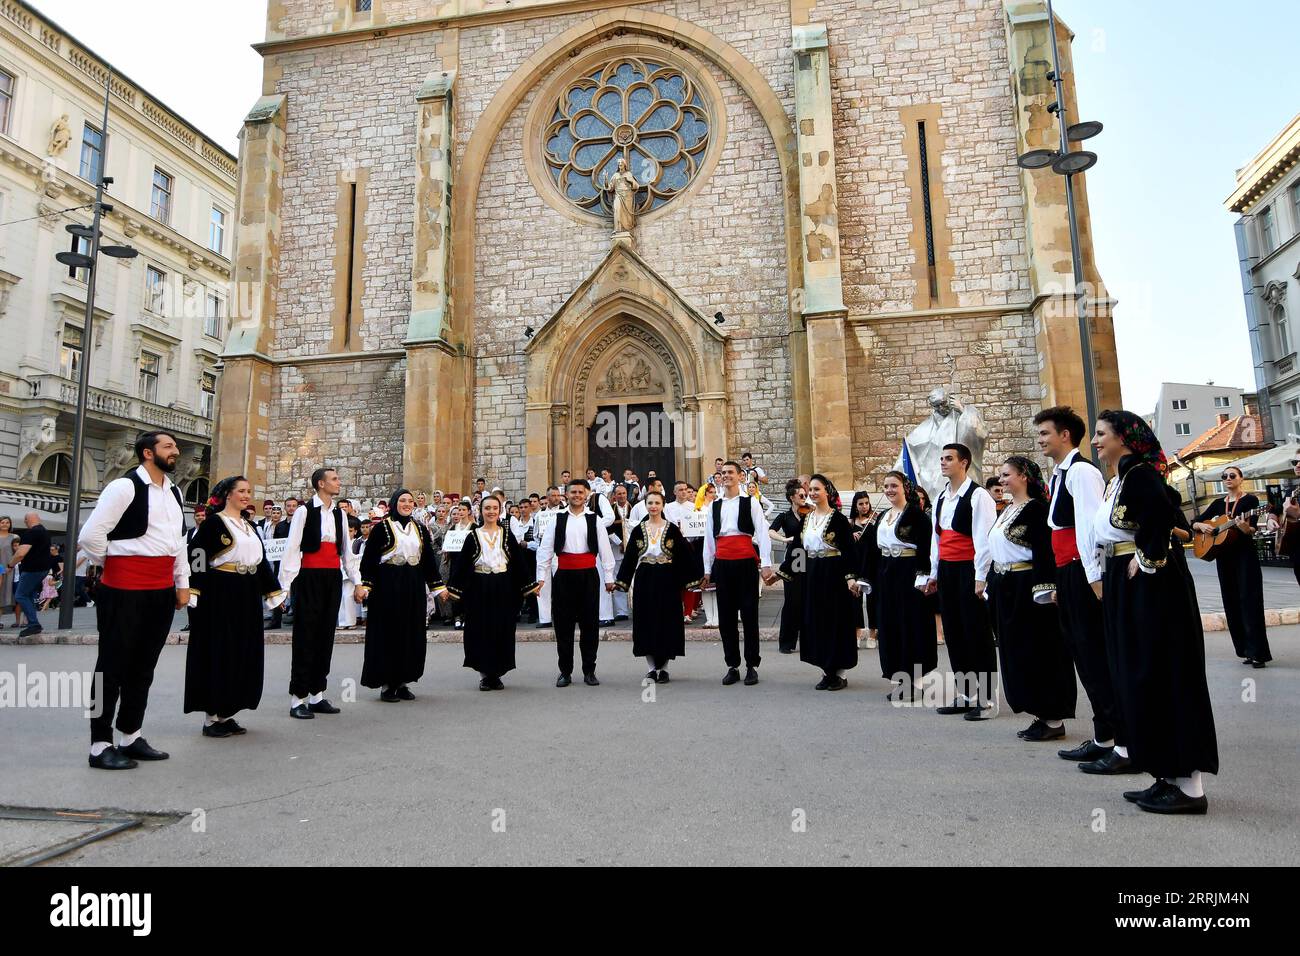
(700, 774)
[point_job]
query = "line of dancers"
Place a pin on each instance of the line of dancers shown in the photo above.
(1074, 574)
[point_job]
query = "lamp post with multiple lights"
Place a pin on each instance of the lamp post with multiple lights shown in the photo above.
(1069, 163)
(76, 260)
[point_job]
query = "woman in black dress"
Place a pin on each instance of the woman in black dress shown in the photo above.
(1153, 627)
(489, 581)
(785, 528)
(657, 565)
(894, 556)
(825, 557)
(398, 565)
(864, 518)
(1036, 667)
(1240, 580)
(230, 581)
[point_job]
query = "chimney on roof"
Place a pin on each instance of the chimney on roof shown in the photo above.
(1223, 418)
(1247, 408)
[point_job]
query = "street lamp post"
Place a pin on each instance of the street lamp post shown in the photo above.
(1069, 163)
(76, 260)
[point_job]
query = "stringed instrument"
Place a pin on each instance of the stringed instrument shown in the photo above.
(1207, 545)
(1288, 535)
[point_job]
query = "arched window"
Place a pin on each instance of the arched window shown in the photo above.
(196, 492)
(1283, 330)
(56, 470)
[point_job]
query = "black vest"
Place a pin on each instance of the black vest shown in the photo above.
(744, 516)
(962, 518)
(561, 536)
(135, 519)
(311, 529)
(1061, 510)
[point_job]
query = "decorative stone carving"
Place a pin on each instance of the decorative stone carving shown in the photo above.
(34, 442)
(120, 458)
(622, 187)
(60, 136)
(50, 179)
(189, 466)
(629, 374)
(1275, 293)
(620, 336)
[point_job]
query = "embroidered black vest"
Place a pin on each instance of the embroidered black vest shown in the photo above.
(135, 519)
(1062, 508)
(561, 536)
(311, 529)
(744, 516)
(962, 517)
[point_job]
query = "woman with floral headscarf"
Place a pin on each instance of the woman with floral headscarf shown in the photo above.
(1154, 639)
(895, 562)
(1036, 666)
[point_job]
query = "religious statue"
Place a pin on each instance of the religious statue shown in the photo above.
(950, 422)
(60, 136)
(624, 187)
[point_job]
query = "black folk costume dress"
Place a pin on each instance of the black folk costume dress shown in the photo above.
(1241, 582)
(831, 612)
(895, 557)
(1037, 669)
(787, 524)
(398, 565)
(489, 580)
(1153, 629)
(230, 581)
(658, 565)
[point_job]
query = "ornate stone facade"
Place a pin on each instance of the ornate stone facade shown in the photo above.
(844, 229)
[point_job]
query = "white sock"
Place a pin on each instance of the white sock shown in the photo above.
(296, 701)
(1190, 785)
(1054, 723)
(650, 662)
(98, 747)
(210, 720)
(1121, 751)
(841, 672)
(1104, 743)
(316, 698)
(129, 739)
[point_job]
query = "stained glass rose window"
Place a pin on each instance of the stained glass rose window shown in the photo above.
(650, 114)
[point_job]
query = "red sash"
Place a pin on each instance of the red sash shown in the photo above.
(1065, 545)
(576, 562)
(955, 546)
(736, 547)
(139, 573)
(326, 558)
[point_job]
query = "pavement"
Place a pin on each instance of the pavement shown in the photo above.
(685, 773)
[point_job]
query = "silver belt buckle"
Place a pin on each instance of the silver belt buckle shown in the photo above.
(398, 559)
(248, 569)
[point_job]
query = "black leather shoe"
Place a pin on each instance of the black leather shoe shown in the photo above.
(1257, 665)
(219, 729)
(497, 685)
(541, 625)
(30, 629)
(1032, 728)
(590, 680)
(751, 676)
(324, 707)
(404, 693)
(1173, 800)
(662, 678)
(388, 696)
(1133, 796)
(786, 650)
(977, 713)
(732, 677)
(1112, 763)
(234, 727)
(823, 683)
(954, 709)
(112, 759)
(608, 623)
(837, 683)
(1039, 730)
(620, 617)
(485, 684)
(1088, 750)
(650, 677)
(140, 750)
(564, 680)
(302, 712)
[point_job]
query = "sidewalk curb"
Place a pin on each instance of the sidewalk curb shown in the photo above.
(527, 634)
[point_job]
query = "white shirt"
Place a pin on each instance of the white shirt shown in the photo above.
(517, 527)
(409, 545)
(639, 511)
(491, 554)
(164, 535)
(1103, 532)
(575, 542)
(813, 527)
(676, 511)
(291, 563)
(654, 541)
(983, 513)
(731, 525)
(887, 537)
(1086, 486)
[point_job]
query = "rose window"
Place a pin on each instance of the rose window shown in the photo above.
(648, 113)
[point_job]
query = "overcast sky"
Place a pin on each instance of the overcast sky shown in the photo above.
(1189, 90)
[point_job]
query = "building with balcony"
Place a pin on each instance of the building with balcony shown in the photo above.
(1267, 200)
(156, 337)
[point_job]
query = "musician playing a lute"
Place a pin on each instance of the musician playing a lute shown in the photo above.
(1240, 580)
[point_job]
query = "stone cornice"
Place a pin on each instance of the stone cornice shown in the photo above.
(959, 312)
(477, 18)
(1264, 171)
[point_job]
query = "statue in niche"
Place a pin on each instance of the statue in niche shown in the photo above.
(60, 136)
(623, 186)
